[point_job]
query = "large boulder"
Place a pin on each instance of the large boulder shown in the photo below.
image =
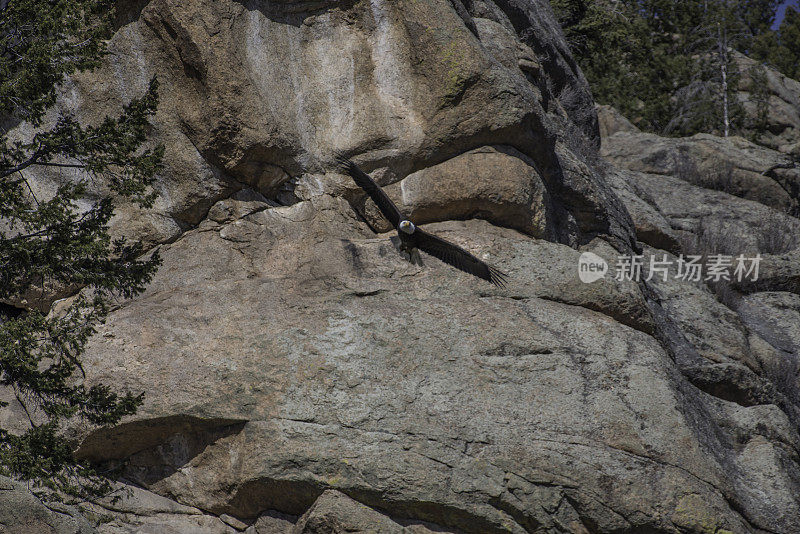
(612, 121)
(771, 103)
(733, 165)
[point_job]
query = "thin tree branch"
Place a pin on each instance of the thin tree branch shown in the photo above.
(24, 165)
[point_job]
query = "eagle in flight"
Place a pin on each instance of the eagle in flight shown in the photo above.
(413, 238)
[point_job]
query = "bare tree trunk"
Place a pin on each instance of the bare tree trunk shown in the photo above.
(725, 109)
(722, 39)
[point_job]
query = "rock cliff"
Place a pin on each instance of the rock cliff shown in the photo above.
(301, 376)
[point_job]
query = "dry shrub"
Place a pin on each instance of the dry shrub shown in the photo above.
(778, 234)
(707, 239)
(718, 176)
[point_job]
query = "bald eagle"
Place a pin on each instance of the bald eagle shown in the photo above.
(413, 237)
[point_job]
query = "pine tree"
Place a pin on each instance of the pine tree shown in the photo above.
(758, 123)
(668, 65)
(620, 56)
(783, 50)
(709, 102)
(52, 242)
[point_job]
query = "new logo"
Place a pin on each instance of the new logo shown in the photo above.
(591, 267)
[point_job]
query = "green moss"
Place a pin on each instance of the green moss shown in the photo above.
(456, 77)
(95, 518)
(695, 515)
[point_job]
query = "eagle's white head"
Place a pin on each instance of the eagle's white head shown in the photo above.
(407, 227)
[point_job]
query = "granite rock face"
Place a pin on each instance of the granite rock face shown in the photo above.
(260, 95)
(301, 376)
(734, 340)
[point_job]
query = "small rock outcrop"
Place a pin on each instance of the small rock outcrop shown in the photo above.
(22, 513)
(771, 104)
(734, 165)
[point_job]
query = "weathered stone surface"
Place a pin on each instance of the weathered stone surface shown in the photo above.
(652, 227)
(740, 349)
(288, 352)
(272, 522)
(714, 330)
(133, 510)
(777, 272)
(335, 512)
(261, 95)
(509, 400)
(775, 318)
(22, 513)
(783, 331)
(612, 121)
(498, 183)
(166, 524)
(726, 222)
(783, 105)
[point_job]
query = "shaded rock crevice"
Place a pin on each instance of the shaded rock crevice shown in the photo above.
(127, 439)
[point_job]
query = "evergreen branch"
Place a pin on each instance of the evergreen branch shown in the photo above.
(54, 243)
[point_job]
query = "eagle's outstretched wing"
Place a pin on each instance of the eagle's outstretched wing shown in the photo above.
(374, 191)
(458, 257)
